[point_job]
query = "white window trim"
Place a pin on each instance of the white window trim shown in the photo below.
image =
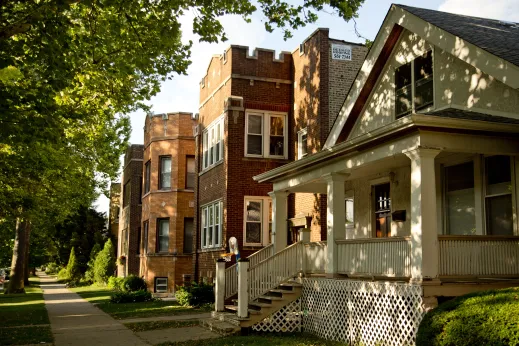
(164, 284)
(350, 226)
(480, 191)
(209, 137)
(300, 135)
(204, 235)
(413, 86)
(265, 134)
(264, 219)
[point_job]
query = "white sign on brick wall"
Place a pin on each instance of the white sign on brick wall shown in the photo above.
(341, 52)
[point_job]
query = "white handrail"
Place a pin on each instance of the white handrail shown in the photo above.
(231, 273)
(272, 271)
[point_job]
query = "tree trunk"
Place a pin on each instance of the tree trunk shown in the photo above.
(27, 272)
(17, 265)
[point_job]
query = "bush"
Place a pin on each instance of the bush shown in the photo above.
(104, 265)
(481, 318)
(51, 269)
(134, 283)
(131, 297)
(63, 275)
(195, 295)
(89, 274)
(115, 283)
(73, 271)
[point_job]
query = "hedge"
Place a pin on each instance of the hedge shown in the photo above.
(480, 318)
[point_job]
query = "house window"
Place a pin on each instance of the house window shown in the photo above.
(348, 211)
(165, 173)
(459, 199)
(145, 237)
(465, 184)
(163, 235)
(382, 210)
(257, 228)
(190, 172)
(211, 225)
(302, 143)
(498, 195)
(147, 173)
(161, 285)
(266, 135)
(188, 234)
(139, 238)
(212, 143)
(414, 81)
(126, 194)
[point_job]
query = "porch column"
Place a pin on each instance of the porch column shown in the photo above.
(279, 219)
(335, 219)
(424, 226)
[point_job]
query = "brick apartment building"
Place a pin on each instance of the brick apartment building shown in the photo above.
(258, 112)
(130, 219)
(114, 212)
(168, 201)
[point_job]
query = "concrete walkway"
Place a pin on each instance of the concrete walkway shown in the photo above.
(74, 321)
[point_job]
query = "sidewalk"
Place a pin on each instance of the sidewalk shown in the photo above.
(74, 321)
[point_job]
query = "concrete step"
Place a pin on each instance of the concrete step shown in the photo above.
(221, 327)
(234, 308)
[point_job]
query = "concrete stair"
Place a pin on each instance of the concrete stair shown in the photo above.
(259, 309)
(220, 325)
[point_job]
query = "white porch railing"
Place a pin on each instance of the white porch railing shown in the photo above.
(270, 272)
(478, 255)
(315, 257)
(375, 256)
(231, 273)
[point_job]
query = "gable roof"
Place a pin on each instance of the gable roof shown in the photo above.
(497, 37)
(486, 44)
(455, 113)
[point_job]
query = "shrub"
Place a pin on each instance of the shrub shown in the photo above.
(195, 295)
(51, 269)
(63, 275)
(115, 283)
(481, 318)
(73, 271)
(104, 265)
(89, 274)
(134, 283)
(131, 297)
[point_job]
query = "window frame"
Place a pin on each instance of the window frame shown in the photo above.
(213, 138)
(373, 212)
(147, 177)
(190, 157)
(161, 173)
(480, 195)
(205, 224)
(145, 234)
(165, 284)
(266, 219)
(159, 222)
(265, 134)
(413, 109)
(300, 134)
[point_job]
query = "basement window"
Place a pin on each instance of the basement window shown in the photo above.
(161, 285)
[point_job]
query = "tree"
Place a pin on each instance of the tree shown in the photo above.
(70, 68)
(104, 265)
(89, 274)
(73, 271)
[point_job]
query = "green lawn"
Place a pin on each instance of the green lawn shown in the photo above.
(101, 297)
(26, 311)
(261, 340)
(145, 326)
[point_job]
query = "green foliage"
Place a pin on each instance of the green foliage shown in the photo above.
(104, 265)
(133, 283)
(89, 273)
(482, 318)
(131, 297)
(73, 271)
(51, 268)
(195, 295)
(63, 275)
(115, 283)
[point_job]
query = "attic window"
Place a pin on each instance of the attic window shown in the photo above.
(414, 81)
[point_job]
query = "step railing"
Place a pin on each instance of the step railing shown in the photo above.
(274, 270)
(231, 273)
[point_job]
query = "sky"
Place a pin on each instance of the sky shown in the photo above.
(181, 93)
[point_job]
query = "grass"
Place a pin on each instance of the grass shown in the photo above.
(145, 326)
(24, 317)
(260, 340)
(101, 297)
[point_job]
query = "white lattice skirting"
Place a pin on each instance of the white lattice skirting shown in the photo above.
(361, 312)
(288, 320)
